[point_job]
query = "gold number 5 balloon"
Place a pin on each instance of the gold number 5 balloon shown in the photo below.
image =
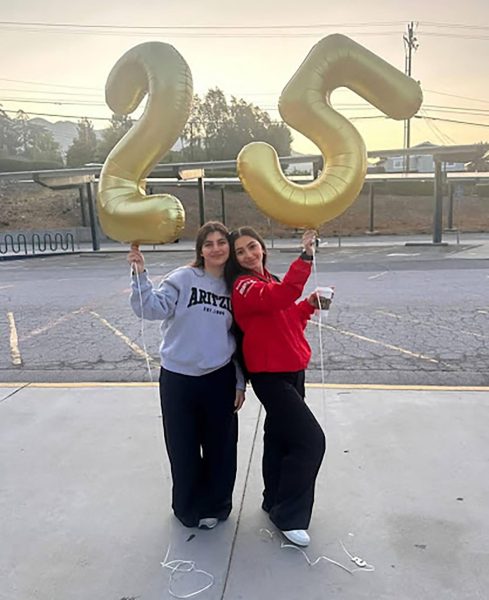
(125, 212)
(305, 105)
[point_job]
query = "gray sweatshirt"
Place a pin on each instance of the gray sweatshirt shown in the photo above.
(195, 310)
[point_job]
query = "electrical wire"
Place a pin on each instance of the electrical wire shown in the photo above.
(234, 31)
(457, 96)
(452, 121)
(453, 25)
(76, 87)
(455, 35)
(37, 114)
(199, 27)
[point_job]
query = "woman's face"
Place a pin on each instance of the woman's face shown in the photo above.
(215, 250)
(249, 253)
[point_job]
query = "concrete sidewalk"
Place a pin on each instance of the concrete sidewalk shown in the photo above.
(84, 503)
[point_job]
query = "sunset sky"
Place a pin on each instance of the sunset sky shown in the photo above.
(61, 52)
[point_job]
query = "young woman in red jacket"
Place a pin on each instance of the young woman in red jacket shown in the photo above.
(276, 354)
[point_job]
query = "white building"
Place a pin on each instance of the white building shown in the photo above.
(419, 163)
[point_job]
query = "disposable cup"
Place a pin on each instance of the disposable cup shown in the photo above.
(325, 297)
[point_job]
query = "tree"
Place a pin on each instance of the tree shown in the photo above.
(194, 133)
(84, 147)
(481, 162)
(43, 145)
(119, 126)
(215, 120)
(21, 138)
(218, 130)
(8, 136)
(34, 141)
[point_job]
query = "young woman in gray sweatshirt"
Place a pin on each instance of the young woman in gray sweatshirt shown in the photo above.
(201, 386)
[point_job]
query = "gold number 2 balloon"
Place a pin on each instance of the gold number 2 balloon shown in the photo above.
(305, 105)
(126, 213)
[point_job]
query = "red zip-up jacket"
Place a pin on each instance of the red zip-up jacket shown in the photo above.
(272, 321)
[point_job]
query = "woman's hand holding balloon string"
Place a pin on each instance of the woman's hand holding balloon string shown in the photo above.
(136, 259)
(308, 241)
(239, 400)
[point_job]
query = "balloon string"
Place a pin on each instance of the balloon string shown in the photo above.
(143, 341)
(184, 566)
(320, 336)
(177, 566)
(362, 565)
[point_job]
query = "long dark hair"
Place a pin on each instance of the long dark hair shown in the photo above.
(233, 269)
(209, 227)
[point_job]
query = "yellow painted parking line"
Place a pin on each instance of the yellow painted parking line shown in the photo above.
(364, 338)
(79, 384)
(331, 386)
(14, 340)
(134, 347)
(431, 325)
(407, 388)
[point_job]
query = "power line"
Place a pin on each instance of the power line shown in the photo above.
(57, 102)
(456, 35)
(57, 92)
(453, 25)
(234, 31)
(457, 96)
(36, 114)
(452, 121)
(199, 27)
(459, 111)
(276, 94)
(427, 108)
(437, 131)
(348, 106)
(351, 106)
(76, 87)
(211, 35)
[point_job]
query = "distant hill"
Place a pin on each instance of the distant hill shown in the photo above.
(63, 131)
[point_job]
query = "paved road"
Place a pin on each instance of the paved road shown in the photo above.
(402, 315)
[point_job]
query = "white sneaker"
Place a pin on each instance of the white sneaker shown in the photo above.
(208, 523)
(300, 537)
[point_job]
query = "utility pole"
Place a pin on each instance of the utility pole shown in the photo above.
(410, 44)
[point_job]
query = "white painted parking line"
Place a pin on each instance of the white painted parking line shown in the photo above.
(378, 275)
(14, 340)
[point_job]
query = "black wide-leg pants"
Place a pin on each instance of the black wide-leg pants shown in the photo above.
(293, 448)
(201, 433)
